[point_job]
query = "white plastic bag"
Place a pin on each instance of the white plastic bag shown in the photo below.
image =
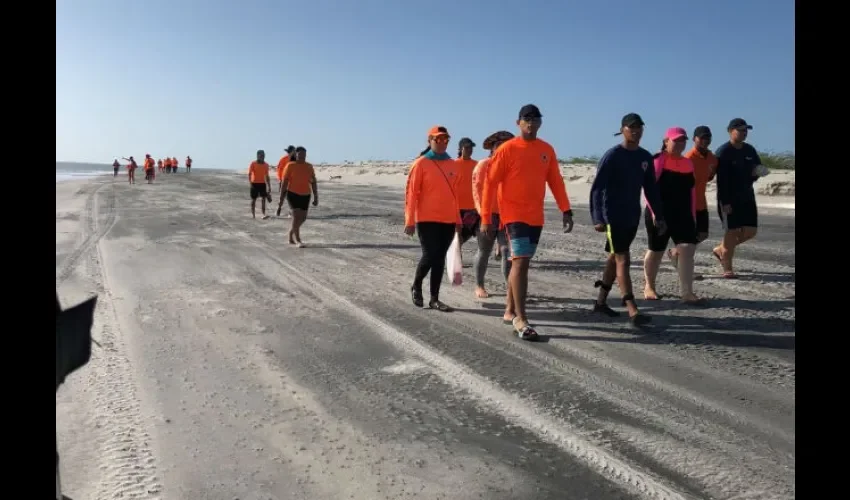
(454, 262)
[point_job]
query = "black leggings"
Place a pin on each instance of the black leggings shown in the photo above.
(435, 238)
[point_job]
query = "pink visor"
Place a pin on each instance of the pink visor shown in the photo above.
(674, 133)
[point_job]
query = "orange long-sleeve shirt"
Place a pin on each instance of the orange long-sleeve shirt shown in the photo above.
(704, 169)
(479, 177)
(430, 194)
(465, 200)
(522, 169)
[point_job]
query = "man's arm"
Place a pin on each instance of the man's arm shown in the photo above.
(314, 184)
(724, 188)
(599, 190)
(556, 184)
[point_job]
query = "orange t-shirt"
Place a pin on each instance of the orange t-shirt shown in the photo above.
(174, 162)
(167, 162)
(705, 166)
(479, 177)
(281, 166)
(258, 172)
(148, 163)
(465, 199)
(300, 177)
(430, 193)
(517, 177)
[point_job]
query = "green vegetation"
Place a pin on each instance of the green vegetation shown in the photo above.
(775, 161)
(579, 160)
(778, 161)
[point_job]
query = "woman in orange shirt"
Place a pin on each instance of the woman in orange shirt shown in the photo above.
(431, 211)
(487, 241)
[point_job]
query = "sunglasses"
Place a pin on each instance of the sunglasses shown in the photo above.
(532, 119)
(441, 139)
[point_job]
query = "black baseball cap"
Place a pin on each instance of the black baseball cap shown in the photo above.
(529, 111)
(702, 131)
(261, 152)
(466, 141)
(631, 120)
(290, 148)
(739, 123)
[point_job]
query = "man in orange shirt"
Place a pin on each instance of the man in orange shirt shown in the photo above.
(299, 181)
(523, 166)
(150, 170)
(167, 163)
(281, 167)
(258, 178)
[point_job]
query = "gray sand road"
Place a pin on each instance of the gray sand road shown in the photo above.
(236, 366)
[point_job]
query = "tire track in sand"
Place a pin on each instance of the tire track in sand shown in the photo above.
(510, 406)
(113, 416)
(91, 231)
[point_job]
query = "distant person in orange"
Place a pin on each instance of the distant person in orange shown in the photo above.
(258, 178)
(518, 175)
(487, 239)
(188, 164)
(115, 167)
(465, 165)
(150, 171)
(159, 165)
(174, 163)
(299, 181)
(431, 211)
(167, 163)
(281, 167)
(131, 170)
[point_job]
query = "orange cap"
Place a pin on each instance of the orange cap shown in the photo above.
(437, 130)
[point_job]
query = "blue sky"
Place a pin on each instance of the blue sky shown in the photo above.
(363, 80)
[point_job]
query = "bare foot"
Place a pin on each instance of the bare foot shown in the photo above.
(508, 317)
(300, 245)
(481, 293)
(291, 239)
(649, 294)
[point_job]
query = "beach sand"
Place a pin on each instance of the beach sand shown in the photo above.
(235, 366)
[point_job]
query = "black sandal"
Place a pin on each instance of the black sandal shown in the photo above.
(436, 304)
(603, 308)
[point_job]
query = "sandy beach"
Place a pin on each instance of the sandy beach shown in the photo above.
(234, 366)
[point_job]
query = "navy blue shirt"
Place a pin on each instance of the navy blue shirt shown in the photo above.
(621, 175)
(735, 173)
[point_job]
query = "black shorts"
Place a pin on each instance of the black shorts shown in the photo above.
(744, 214)
(619, 238)
(682, 230)
(471, 222)
(702, 221)
(258, 190)
(523, 239)
(298, 201)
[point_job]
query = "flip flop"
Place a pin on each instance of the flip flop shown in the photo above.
(526, 332)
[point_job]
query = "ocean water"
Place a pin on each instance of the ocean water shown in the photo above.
(66, 171)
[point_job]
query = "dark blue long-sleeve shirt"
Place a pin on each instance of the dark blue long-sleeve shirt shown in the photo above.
(735, 173)
(621, 175)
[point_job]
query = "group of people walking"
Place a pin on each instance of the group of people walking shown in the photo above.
(296, 184)
(500, 201)
(167, 165)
